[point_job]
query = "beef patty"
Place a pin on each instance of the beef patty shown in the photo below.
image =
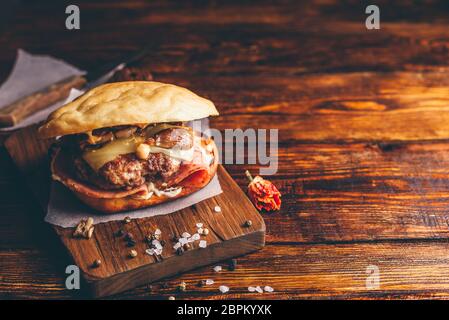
(127, 171)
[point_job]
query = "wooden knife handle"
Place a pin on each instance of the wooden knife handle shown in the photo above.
(15, 112)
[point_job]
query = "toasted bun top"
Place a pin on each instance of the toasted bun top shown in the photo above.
(126, 103)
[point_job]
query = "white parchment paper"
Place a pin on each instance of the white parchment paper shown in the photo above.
(32, 73)
(65, 210)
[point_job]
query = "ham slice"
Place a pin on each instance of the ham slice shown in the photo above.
(198, 163)
(194, 173)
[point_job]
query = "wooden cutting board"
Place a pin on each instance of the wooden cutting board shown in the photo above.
(228, 237)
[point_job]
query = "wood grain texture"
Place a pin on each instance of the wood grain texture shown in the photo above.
(407, 270)
(362, 142)
(228, 237)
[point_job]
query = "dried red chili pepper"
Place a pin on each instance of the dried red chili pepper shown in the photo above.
(263, 193)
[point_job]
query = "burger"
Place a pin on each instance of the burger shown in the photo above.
(128, 145)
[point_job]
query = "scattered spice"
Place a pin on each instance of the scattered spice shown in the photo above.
(164, 285)
(129, 237)
(180, 251)
(259, 289)
(131, 243)
(195, 237)
(268, 289)
(186, 235)
(84, 229)
(248, 223)
(206, 282)
(263, 193)
(223, 289)
(96, 263)
(232, 264)
(171, 298)
(133, 254)
(203, 244)
(119, 233)
(182, 286)
(90, 232)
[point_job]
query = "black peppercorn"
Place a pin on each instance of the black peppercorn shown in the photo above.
(164, 285)
(131, 243)
(232, 264)
(129, 237)
(96, 263)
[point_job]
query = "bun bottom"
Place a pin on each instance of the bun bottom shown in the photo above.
(112, 202)
(194, 182)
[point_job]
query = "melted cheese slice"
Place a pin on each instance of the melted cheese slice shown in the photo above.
(96, 158)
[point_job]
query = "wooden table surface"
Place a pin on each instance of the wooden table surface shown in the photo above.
(364, 137)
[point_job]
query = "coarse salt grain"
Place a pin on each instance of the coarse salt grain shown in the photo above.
(186, 235)
(259, 289)
(217, 268)
(209, 282)
(156, 243)
(183, 241)
(223, 289)
(158, 252)
(157, 232)
(268, 289)
(196, 236)
(217, 209)
(199, 225)
(251, 289)
(203, 244)
(149, 251)
(200, 230)
(177, 246)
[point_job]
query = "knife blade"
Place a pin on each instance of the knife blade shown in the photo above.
(20, 109)
(103, 73)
